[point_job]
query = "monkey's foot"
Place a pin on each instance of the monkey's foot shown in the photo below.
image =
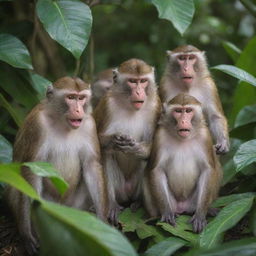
(169, 218)
(198, 223)
(113, 214)
(135, 206)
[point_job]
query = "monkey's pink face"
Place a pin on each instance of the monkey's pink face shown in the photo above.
(183, 116)
(75, 102)
(187, 71)
(138, 93)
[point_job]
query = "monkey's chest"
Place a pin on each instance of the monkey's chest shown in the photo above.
(64, 156)
(183, 174)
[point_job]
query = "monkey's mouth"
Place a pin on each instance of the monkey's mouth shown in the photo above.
(75, 123)
(187, 79)
(184, 132)
(138, 103)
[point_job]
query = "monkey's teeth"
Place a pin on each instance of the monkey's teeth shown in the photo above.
(75, 122)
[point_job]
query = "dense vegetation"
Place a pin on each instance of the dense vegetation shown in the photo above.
(43, 40)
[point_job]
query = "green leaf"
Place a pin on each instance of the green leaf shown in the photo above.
(65, 231)
(232, 50)
(246, 115)
(40, 84)
(68, 22)
(246, 62)
(133, 221)
(225, 200)
(179, 12)
(47, 170)
(181, 229)
(10, 174)
(166, 247)
(5, 150)
(237, 73)
(14, 52)
(245, 155)
(11, 110)
(13, 82)
(226, 219)
(243, 247)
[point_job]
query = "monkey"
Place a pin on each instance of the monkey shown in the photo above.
(101, 85)
(59, 130)
(186, 71)
(183, 174)
(126, 118)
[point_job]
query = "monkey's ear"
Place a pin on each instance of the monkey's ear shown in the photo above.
(168, 54)
(115, 72)
(49, 92)
(164, 108)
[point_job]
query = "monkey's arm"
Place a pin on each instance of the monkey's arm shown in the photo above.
(93, 173)
(163, 196)
(217, 122)
(25, 150)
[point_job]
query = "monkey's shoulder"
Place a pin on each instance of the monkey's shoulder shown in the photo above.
(28, 137)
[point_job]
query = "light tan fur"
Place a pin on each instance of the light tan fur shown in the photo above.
(183, 175)
(114, 116)
(75, 153)
(203, 88)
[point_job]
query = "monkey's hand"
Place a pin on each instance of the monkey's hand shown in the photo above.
(113, 214)
(198, 223)
(127, 144)
(222, 146)
(169, 218)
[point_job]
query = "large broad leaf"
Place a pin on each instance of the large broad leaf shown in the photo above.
(68, 22)
(14, 114)
(225, 200)
(245, 155)
(40, 84)
(243, 247)
(5, 150)
(133, 221)
(14, 52)
(246, 115)
(10, 174)
(226, 219)
(65, 231)
(179, 12)
(237, 73)
(166, 247)
(12, 81)
(232, 50)
(245, 94)
(182, 229)
(47, 170)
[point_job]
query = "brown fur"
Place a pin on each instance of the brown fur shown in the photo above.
(75, 84)
(162, 197)
(135, 67)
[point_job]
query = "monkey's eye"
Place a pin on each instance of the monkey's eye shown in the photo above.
(143, 80)
(82, 97)
(192, 57)
(71, 97)
(134, 81)
(182, 57)
(188, 110)
(178, 110)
